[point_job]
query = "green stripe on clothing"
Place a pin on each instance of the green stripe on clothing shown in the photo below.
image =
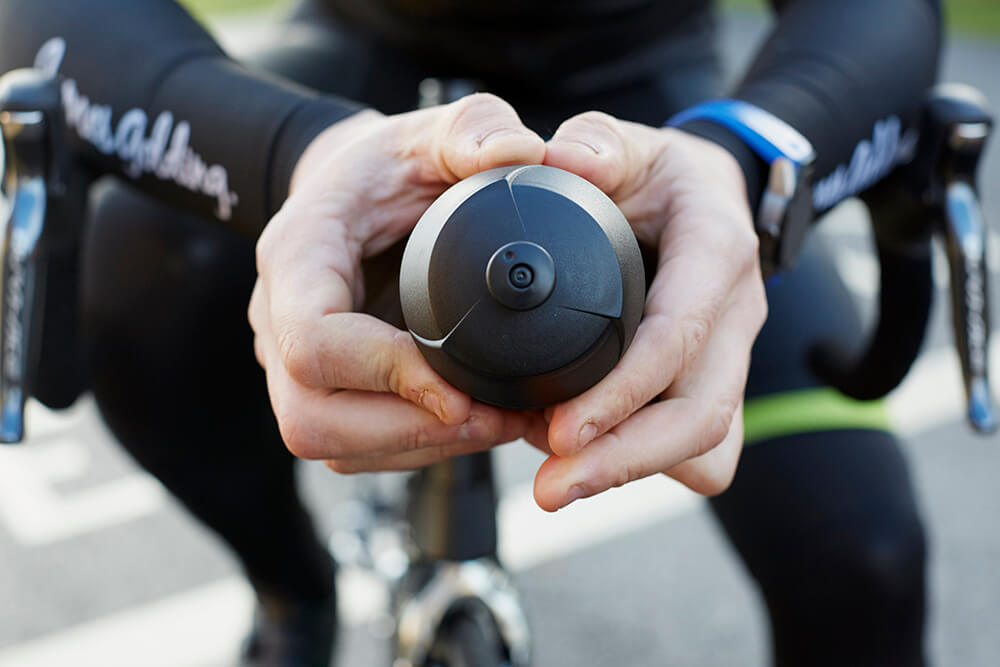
(808, 411)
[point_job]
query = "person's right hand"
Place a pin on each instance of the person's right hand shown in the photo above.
(347, 387)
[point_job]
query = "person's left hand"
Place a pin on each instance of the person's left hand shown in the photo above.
(686, 197)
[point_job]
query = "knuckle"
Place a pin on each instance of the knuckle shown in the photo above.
(715, 480)
(718, 420)
(588, 120)
(627, 400)
(624, 471)
(472, 109)
(296, 436)
(480, 101)
(393, 375)
(417, 437)
(760, 304)
(297, 356)
(745, 247)
(269, 243)
(262, 249)
(693, 333)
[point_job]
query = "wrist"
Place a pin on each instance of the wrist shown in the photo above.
(785, 209)
(328, 142)
(752, 166)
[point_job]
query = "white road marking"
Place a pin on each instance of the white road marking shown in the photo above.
(198, 628)
(530, 536)
(36, 513)
(932, 394)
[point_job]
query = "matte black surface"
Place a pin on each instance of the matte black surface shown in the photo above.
(558, 332)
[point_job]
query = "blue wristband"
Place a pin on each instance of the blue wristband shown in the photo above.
(767, 136)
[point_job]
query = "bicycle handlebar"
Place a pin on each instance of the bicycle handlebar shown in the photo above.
(935, 194)
(33, 174)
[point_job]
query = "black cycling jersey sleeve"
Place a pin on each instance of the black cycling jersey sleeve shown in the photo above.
(850, 75)
(149, 95)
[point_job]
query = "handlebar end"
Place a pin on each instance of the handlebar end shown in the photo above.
(982, 410)
(12, 419)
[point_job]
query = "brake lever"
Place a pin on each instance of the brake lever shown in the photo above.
(960, 125)
(29, 108)
(965, 236)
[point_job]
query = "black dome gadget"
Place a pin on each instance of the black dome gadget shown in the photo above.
(522, 286)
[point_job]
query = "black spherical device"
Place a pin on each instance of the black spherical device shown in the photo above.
(522, 286)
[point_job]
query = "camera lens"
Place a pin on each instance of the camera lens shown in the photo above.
(521, 276)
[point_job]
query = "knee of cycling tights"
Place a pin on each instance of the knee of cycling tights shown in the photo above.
(164, 307)
(827, 522)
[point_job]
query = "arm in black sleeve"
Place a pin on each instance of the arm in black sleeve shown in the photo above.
(850, 75)
(149, 95)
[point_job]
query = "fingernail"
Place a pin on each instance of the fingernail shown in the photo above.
(587, 433)
(499, 133)
(575, 493)
(432, 402)
(588, 146)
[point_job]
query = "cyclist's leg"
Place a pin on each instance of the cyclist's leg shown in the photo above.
(825, 520)
(822, 508)
(165, 296)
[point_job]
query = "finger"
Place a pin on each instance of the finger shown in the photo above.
(358, 424)
(475, 133)
(612, 154)
(681, 316)
(513, 430)
(257, 317)
(537, 433)
(321, 348)
(663, 435)
(407, 460)
(712, 472)
(427, 456)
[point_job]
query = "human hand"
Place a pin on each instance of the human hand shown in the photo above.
(686, 197)
(345, 386)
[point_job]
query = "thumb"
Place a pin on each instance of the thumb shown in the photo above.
(476, 133)
(610, 153)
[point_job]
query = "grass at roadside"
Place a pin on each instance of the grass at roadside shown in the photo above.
(206, 8)
(979, 17)
(965, 17)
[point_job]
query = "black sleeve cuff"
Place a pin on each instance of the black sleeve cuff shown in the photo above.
(303, 125)
(754, 168)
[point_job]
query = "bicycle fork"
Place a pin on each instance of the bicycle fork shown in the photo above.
(436, 555)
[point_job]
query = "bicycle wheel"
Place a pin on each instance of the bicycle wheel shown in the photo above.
(468, 639)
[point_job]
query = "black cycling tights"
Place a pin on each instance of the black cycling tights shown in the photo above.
(826, 522)
(165, 299)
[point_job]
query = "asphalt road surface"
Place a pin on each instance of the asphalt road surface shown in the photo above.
(101, 568)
